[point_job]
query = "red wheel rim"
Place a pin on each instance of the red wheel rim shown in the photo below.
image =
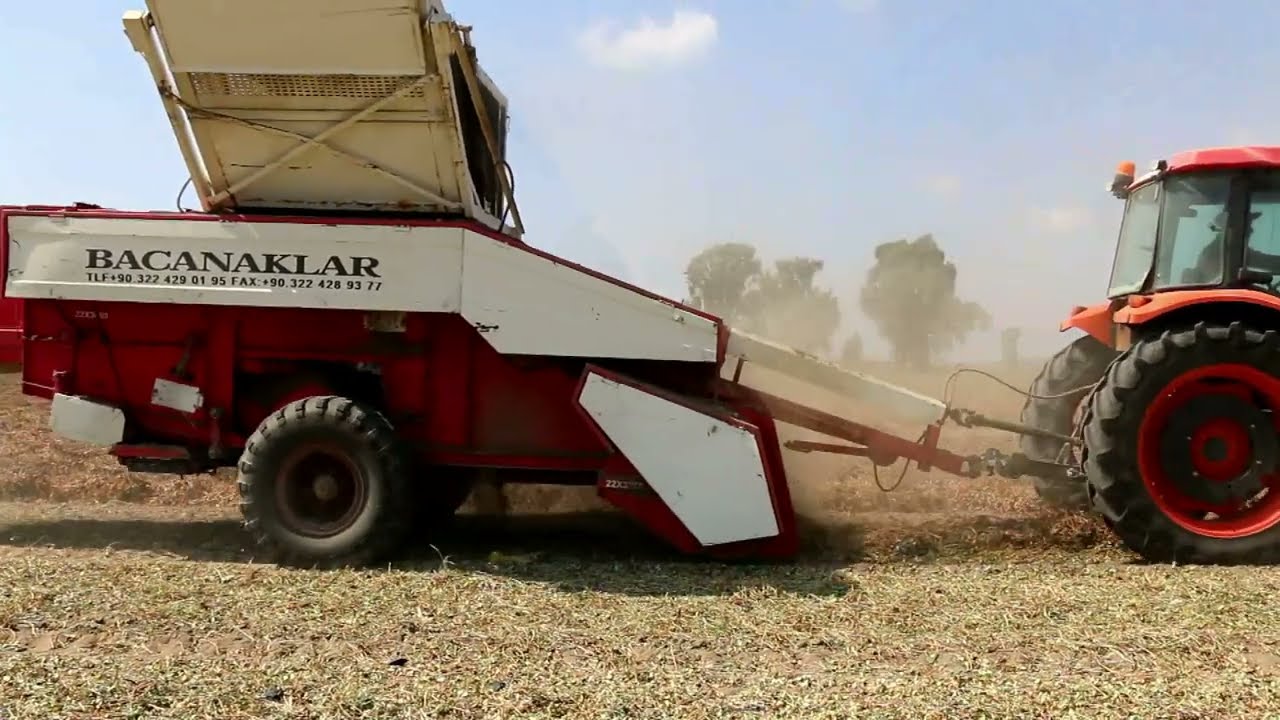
(1220, 449)
(320, 491)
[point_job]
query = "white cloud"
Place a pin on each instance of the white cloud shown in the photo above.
(1060, 219)
(687, 36)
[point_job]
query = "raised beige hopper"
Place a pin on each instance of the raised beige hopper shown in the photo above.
(339, 105)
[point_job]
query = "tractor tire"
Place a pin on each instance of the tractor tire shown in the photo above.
(324, 483)
(1078, 365)
(1178, 432)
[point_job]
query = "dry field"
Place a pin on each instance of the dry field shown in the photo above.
(136, 597)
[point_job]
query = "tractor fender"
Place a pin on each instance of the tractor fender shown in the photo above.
(1237, 303)
(1095, 320)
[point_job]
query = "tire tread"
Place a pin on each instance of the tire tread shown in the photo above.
(1115, 485)
(389, 528)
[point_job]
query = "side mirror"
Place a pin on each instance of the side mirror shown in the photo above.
(1123, 179)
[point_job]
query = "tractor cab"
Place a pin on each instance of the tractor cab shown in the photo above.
(1203, 226)
(1199, 222)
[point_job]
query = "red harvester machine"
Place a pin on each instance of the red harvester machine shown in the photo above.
(350, 320)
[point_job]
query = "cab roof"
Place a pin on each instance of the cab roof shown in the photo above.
(1225, 157)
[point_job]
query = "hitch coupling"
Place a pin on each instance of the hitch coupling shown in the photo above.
(1018, 465)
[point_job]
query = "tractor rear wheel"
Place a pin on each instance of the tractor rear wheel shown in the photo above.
(1182, 446)
(323, 483)
(1077, 366)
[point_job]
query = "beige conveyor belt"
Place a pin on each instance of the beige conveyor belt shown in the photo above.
(770, 367)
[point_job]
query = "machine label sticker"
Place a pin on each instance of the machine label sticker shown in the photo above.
(627, 485)
(233, 269)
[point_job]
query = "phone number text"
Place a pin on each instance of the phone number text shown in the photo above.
(236, 281)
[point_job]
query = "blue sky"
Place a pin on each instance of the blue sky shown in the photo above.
(643, 131)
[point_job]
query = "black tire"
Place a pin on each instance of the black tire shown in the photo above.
(1078, 365)
(1115, 424)
(350, 447)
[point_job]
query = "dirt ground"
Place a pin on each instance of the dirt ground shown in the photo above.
(137, 597)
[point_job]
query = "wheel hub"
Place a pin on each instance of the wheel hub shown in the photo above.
(1217, 449)
(325, 488)
(320, 491)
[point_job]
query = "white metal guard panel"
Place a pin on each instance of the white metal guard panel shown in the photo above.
(709, 472)
(81, 420)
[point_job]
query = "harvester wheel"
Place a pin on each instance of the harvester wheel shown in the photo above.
(324, 483)
(1078, 365)
(1182, 446)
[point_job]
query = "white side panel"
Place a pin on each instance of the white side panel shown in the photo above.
(266, 264)
(521, 302)
(707, 471)
(527, 304)
(85, 421)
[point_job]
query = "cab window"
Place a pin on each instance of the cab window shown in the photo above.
(1193, 223)
(1262, 241)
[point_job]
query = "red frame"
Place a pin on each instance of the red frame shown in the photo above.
(10, 329)
(10, 317)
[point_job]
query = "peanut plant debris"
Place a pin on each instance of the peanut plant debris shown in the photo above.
(126, 596)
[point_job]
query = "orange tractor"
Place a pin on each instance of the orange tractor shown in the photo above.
(1171, 396)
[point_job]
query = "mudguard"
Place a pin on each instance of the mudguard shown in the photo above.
(1095, 320)
(1142, 309)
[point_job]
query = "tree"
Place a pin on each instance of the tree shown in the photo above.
(788, 306)
(910, 295)
(721, 277)
(781, 303)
